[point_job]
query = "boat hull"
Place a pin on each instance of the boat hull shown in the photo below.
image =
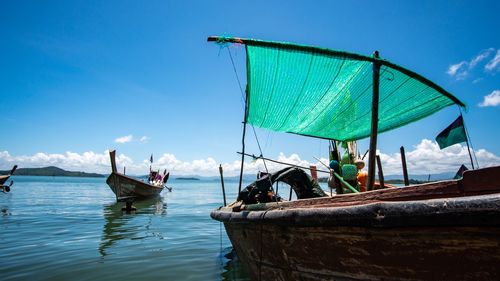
(127, 187)
(443, 231)
(3, 179)
(273, 252)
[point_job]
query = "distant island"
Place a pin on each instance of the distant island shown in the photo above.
(411, 181)
(51, 172)
(188, 179)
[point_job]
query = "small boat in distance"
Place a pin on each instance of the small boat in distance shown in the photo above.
(127, 188)
(4, 178)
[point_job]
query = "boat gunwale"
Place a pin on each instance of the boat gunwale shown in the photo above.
(475, 210)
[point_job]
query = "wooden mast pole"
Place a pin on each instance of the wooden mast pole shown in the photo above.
(405, 170)
(374, 125)
(380, 173)
(222, 182)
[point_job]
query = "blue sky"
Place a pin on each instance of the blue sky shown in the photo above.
(78, 75)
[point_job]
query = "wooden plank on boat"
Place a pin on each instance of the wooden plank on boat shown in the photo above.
(481, 180)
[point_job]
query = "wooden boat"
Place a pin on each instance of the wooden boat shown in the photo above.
(447, 230)
(4, 178)
(128, 188)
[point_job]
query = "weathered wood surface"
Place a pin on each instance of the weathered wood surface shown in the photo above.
(4, 178)
(272, 252)
(477, 182)
(481, 210)
(447, 230)
(124, 186)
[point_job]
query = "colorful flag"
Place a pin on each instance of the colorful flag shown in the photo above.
(455, 133)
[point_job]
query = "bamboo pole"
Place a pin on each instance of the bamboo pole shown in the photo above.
(374, 123)
(279, 162)
(380, 172)
(405, 170)
(305, 168)
(243, 143)
(222, 182)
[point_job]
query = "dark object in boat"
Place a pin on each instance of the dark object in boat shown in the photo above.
(4, 178)
(460, 172)
(301, 183)
(126, 188)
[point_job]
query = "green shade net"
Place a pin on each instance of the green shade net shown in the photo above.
(328, 94)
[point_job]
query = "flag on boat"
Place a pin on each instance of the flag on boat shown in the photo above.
(151, 158)
(455, 133)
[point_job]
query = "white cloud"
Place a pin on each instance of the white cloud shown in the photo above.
(425, 158)
(86, 161)
(480, 57)
(428, 158)
(492, 99)
(124, 139)
(458, 69)
(144, 139)
(462, 69)
(494, 63)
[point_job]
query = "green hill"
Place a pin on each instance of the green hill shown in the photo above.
(51, 172)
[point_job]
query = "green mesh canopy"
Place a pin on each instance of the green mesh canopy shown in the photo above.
(328, 94)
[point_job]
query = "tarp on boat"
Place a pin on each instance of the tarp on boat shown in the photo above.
(302, 184)
(328, 94)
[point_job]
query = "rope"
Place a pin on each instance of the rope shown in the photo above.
(237, 77)
(243, 99)
(221, 253)
(260, 149)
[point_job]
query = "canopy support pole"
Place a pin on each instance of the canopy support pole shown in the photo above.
(374, 127)
(242, 156)
(243, 144)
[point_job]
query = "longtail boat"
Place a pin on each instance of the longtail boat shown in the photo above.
(445, 230)
(4, 178)
(127, 188)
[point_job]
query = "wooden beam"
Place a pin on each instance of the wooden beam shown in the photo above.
(380, 172)
(405, 170)
(112, 154)
(222, 182)
(374, 125)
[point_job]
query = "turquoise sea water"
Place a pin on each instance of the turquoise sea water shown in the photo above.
(58, 228)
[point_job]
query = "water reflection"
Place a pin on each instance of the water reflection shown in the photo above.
(116, 228)
(233, 269)
(4, 211)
